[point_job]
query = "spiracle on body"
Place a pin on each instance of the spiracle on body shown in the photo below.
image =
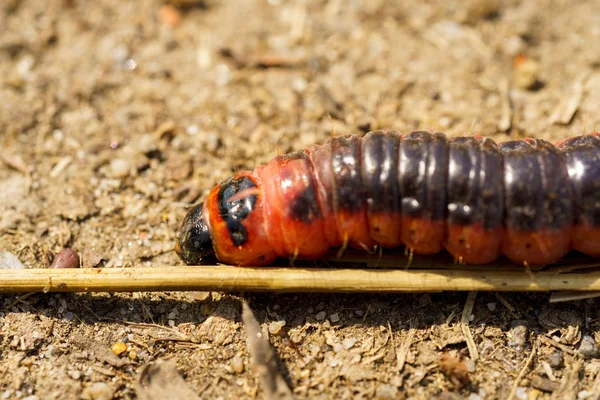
(526, 199)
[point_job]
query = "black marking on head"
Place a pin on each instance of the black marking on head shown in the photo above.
(194, 245)
(305, 206)
(234, 212)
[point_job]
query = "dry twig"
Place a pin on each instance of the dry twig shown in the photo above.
(263, 358)
(226, 278)
(467, 310)
(522, 372)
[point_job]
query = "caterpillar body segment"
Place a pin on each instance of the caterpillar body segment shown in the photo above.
(527, 199)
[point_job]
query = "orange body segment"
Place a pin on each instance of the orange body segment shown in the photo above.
(473, 244)
(423, 235)
(536, 248)
(586, 239)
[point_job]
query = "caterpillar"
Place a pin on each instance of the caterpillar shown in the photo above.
(526, 199)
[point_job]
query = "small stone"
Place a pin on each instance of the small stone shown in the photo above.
(275, 327)
(119, 348)
(320, 316)
(491, 306)
(66, 258)
(385, 392)
(69, 316)
(97, 391)
(119, 167)
(237, 364)
(75, 375)
(517, 333)
(470, 364)
(556, 359)
(9, 261)
(334, 318)
(169, 15)
(521, 393)
(132, 355)
(526, 73)
(320, 306)
(588, 347)
(146, 144)
(348, 343)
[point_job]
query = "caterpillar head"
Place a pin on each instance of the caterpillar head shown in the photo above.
(194, 245)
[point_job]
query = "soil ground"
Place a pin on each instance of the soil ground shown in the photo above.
(116, 115)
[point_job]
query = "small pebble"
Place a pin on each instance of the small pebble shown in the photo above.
(75, 375)
(146, 144)
(334, 318)
(9, 261)
(526, 74)
(517, 333)
(119, 167)
(169, 15)
(556, 359)
(521, 393)
(132, 355)
(66, 258)
(588, 347)
(275, 327)
(119, 348)
(386, 392)
(237, 363)
(320, 316)
(348, 343)
(491, 306)
(97, 391)
(69, 316)
(337, 347)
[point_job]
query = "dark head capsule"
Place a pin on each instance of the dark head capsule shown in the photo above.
(194, 245)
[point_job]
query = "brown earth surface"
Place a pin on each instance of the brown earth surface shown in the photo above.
(116, 115)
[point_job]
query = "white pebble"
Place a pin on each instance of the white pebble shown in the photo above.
(491, 306)
(348, 343)
(119, 167)
(521, 393)
(97, 391)
(334, 318)
(145, 143)
(337, 347)
(9, 261)
(275, 327)
(320, 316)
(223, 75)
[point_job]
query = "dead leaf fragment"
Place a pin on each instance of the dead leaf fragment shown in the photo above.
(160, 380)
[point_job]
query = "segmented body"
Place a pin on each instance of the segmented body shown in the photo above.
(527, 199)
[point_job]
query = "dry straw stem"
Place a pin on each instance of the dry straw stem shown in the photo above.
(288, 279)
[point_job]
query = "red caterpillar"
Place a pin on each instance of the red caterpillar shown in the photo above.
(527, 199)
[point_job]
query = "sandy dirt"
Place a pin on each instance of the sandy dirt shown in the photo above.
(116, 115)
